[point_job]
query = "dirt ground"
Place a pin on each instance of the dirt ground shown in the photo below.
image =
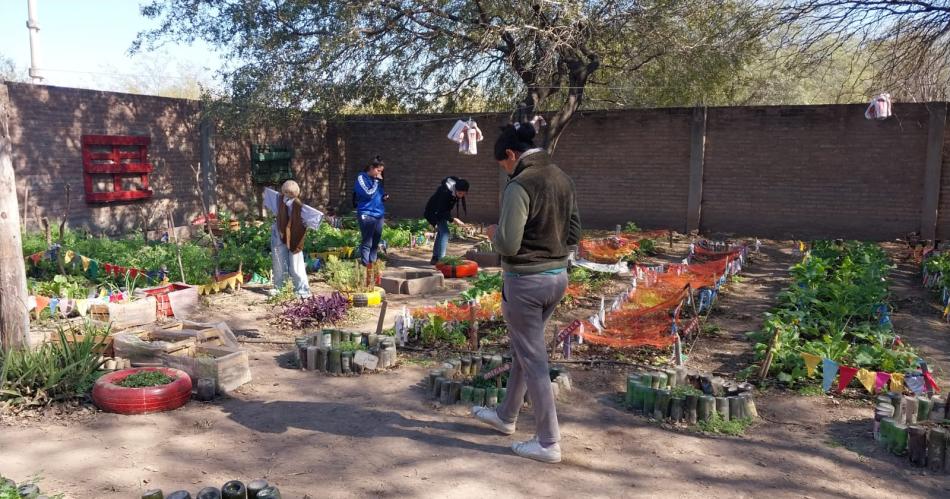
(378, 435)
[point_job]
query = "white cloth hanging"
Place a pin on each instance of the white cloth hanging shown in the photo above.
(879, 108)
(469, 136)
(456, 131)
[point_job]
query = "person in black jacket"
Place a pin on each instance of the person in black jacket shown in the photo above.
(439, 212)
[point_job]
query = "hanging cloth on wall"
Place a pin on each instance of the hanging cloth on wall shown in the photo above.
(471, 135)
(879, 107)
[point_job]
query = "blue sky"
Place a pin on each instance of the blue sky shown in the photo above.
(84, 43)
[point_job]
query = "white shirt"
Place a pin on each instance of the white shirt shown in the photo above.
(311, 217)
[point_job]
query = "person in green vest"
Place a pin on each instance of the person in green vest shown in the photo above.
(293, 218)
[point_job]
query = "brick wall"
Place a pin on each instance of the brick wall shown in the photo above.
(814, 171)
(46, 129)
(794, 171)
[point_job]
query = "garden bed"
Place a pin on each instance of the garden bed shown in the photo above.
(343, 353)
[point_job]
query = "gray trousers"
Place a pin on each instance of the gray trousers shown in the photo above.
(527, 303)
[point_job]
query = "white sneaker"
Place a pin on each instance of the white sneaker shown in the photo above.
(532, 450)
(488, 416)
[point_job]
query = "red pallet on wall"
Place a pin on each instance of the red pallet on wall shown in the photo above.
(121, 156)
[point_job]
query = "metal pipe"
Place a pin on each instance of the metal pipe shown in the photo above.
(34, 28)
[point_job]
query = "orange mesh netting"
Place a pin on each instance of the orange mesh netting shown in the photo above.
(487, 307)
(646, 318)
(608, 249)
(627, 328)
(702, 252)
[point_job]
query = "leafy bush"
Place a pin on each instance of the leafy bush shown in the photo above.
(483, 283)
(833, 310)
(351, 346)
(349, 275)
(62, 286)
(437, 330)
(143, 379)
(316, 310)
(52, 372)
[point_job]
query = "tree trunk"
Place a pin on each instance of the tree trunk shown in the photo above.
(14, 316)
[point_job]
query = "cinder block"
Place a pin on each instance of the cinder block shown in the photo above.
(422, 284)
(392, 285)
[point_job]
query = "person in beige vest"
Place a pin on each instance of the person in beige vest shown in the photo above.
(292, 219)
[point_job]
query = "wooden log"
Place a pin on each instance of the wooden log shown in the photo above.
(909, 408)
(707, 406)
(662, 408)
(692, 402)
(917, 445)
(937, 449)
(722, 407)
(677, 408)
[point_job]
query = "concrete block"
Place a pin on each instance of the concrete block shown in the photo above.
(392, 285)
(422, 285)
(365, 360)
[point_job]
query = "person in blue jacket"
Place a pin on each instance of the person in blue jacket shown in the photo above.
(368, 198)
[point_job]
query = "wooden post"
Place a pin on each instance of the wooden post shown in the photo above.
(382, 316)
(14, 316)
(932, 170)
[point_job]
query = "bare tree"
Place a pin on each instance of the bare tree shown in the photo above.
(906, 42)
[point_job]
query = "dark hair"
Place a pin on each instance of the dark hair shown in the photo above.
(377, 161)
(519, 139)
(461, 185)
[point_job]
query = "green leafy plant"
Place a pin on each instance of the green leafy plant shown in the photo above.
(62, 286)
(684, 390)
(284, 294)
(451, 260)
(482, 284)
(53, 372)
(716, 424)
(143, 379)
(348, 275)
(351, 346)
(833, 310)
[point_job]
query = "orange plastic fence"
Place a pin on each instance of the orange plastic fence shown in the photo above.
(628, 328)
(487, 307)
(608, 249)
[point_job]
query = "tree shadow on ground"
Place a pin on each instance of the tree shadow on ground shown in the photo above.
(326, 417)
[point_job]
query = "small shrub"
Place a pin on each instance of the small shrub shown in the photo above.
(143, 379)
(316, 310)
(733, 427)
(284, 294)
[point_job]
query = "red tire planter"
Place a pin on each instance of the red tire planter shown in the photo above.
(467, 268)
(111, 397)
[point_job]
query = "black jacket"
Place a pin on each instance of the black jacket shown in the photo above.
(439, 207)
